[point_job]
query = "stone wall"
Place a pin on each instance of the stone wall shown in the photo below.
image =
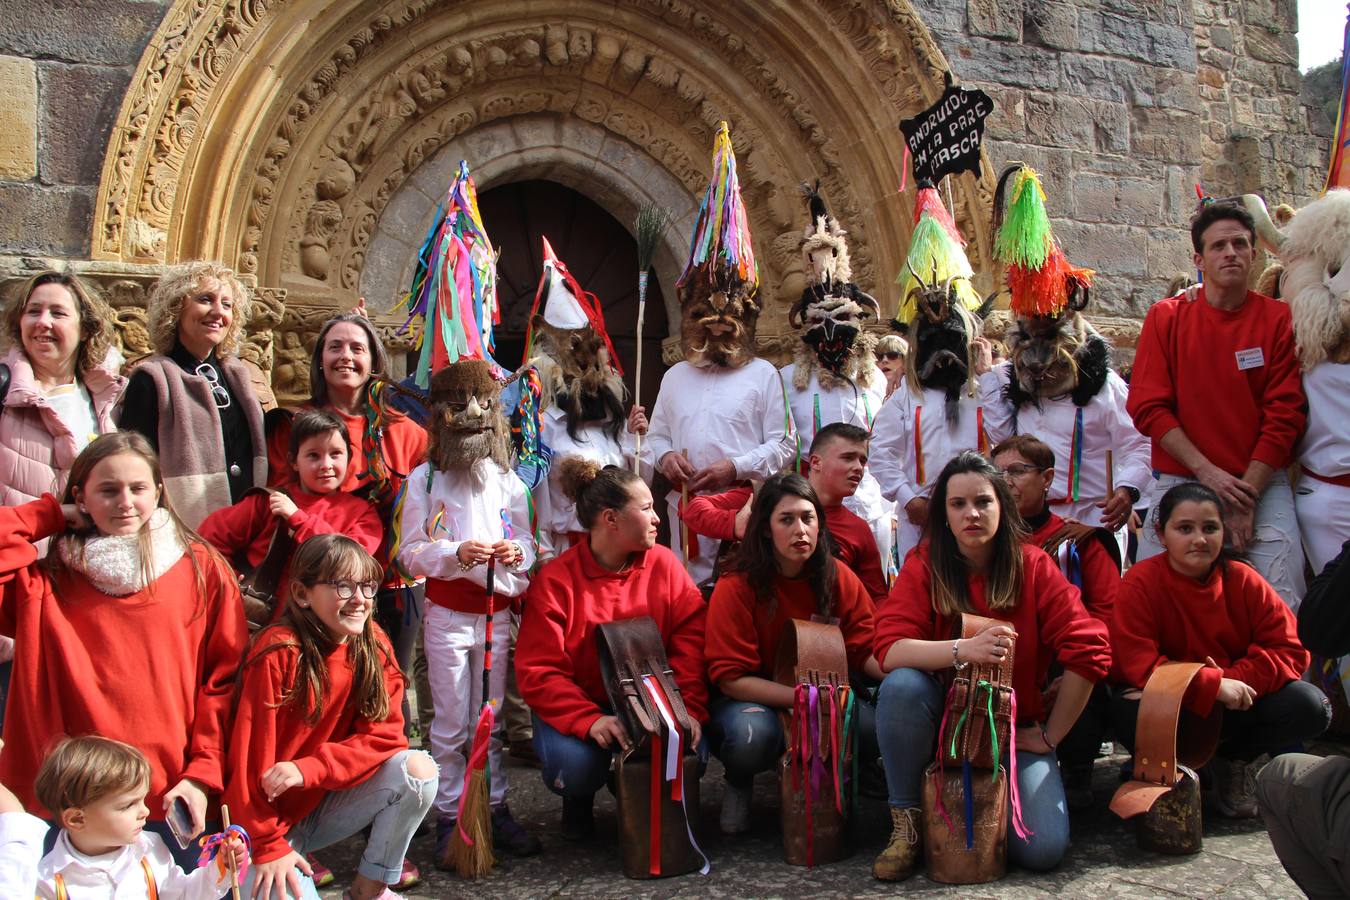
(1123, 107)
(64, 67)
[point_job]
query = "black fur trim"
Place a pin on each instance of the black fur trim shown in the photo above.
(1094, 363)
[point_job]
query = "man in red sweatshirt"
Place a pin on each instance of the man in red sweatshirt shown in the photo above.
(837, 460)
(1216, 389)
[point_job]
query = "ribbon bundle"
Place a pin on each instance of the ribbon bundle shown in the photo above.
(213, 845)
(454, 285)
(823, 755)
(667, 769)
(722, 230)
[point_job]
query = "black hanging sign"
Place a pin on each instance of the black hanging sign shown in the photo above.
(945, 138)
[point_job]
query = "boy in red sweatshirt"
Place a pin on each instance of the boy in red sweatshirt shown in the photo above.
(313, 503)
(1216, 388)
(836, 463)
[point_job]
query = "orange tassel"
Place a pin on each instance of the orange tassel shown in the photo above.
(1045, 291)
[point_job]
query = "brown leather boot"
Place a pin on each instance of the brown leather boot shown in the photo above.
(898, 860)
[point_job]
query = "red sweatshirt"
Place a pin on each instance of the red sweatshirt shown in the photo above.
(714, 516)
(340, 751)
(1234, 616)
(247, 527)
(743, 637)
(1049, 619)
(557, 661)
(154, 669)
(1228, 378)
(1101, 576)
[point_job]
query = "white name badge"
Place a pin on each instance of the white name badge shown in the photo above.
(1251, 358)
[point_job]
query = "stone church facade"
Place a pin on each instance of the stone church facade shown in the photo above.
(306, 143)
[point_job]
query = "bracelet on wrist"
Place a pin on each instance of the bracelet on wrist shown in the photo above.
(957, 663)
(1045, 736)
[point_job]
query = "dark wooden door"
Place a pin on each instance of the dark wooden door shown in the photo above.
(597, 249)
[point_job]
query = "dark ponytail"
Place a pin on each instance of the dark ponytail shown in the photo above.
(595, 489)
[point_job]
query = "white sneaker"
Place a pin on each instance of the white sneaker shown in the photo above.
(735, 817)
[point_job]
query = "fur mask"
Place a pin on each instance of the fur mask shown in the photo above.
(832, 309)
(1315, 249)
(466, 418)
(940, 340)
(575, 369)
(1056, 355)
(718, 327)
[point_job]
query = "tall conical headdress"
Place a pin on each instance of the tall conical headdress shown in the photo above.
(566, 306)
(721, 250)
(454, 286)
(935, 256)
(1041, 279)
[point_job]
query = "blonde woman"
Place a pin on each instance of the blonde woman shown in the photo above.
(194, 400)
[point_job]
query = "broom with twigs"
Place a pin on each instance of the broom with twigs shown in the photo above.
(652, 222)
(470, 846)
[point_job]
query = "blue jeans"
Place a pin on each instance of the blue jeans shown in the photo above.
(748, 737)
(391, 802)
(570, 766)
(908, 711)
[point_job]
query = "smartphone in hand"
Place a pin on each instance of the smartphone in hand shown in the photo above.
(180, 823)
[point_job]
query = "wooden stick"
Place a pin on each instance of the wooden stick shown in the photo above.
(1110, 475)
(637, 373)
(229, 858)
(684, 529)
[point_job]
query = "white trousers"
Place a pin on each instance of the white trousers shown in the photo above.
(1088, 513)
(1275, 550)
(453, 643)
(1323, 519)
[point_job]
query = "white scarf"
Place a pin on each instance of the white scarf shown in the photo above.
(112, 562)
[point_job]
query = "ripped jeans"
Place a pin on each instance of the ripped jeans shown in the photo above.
(390, 801)
(748, 737)
(575, 768)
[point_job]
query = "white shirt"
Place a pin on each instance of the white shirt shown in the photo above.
(844, 403)
(464, 506)
(556, 514)
(21, 837)
(1325, 447)
(119, 876)
(73, 406)
(718, 413)
(1106, 426)
(896, 454)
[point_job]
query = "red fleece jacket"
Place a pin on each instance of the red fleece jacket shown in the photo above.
(248, 526)
(1234, 616)
(1229, 379)
(557, 661)
(340, 751)
(1049, 619)
(1101, 577)
(714, 516)
(154, 669)
(743, 636)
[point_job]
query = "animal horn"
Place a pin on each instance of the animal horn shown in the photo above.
(794, 314)
(916, 275)
(869, 300)
(1266, 228)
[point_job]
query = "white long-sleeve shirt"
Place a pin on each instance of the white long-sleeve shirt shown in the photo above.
(1106, 426)
(907, 467)
(1325, 446)
(121, 876)
(459, 506)
(556, 514)
(844, 403)
(717, 413)
(21, 837)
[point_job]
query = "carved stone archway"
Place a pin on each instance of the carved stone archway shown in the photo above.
(275, 135)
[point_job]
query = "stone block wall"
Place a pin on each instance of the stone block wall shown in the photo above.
(64, 66)
(1123, 106)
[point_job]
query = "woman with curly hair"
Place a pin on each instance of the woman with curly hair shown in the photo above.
(194, 400)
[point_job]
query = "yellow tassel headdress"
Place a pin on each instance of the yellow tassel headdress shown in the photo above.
(935, 256)
(1041, 280)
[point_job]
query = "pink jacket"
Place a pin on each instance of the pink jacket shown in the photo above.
(36, 447)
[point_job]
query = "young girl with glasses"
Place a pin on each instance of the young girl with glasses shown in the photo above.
(317, 750)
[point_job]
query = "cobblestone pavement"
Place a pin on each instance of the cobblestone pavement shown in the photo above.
(1237, 860)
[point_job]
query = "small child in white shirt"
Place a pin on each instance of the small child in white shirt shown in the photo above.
(21, 837)
(96, 787)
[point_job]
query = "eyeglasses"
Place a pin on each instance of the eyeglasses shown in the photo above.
(1019, 470)
(346, 590)
(892, 354)
(218, 392)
